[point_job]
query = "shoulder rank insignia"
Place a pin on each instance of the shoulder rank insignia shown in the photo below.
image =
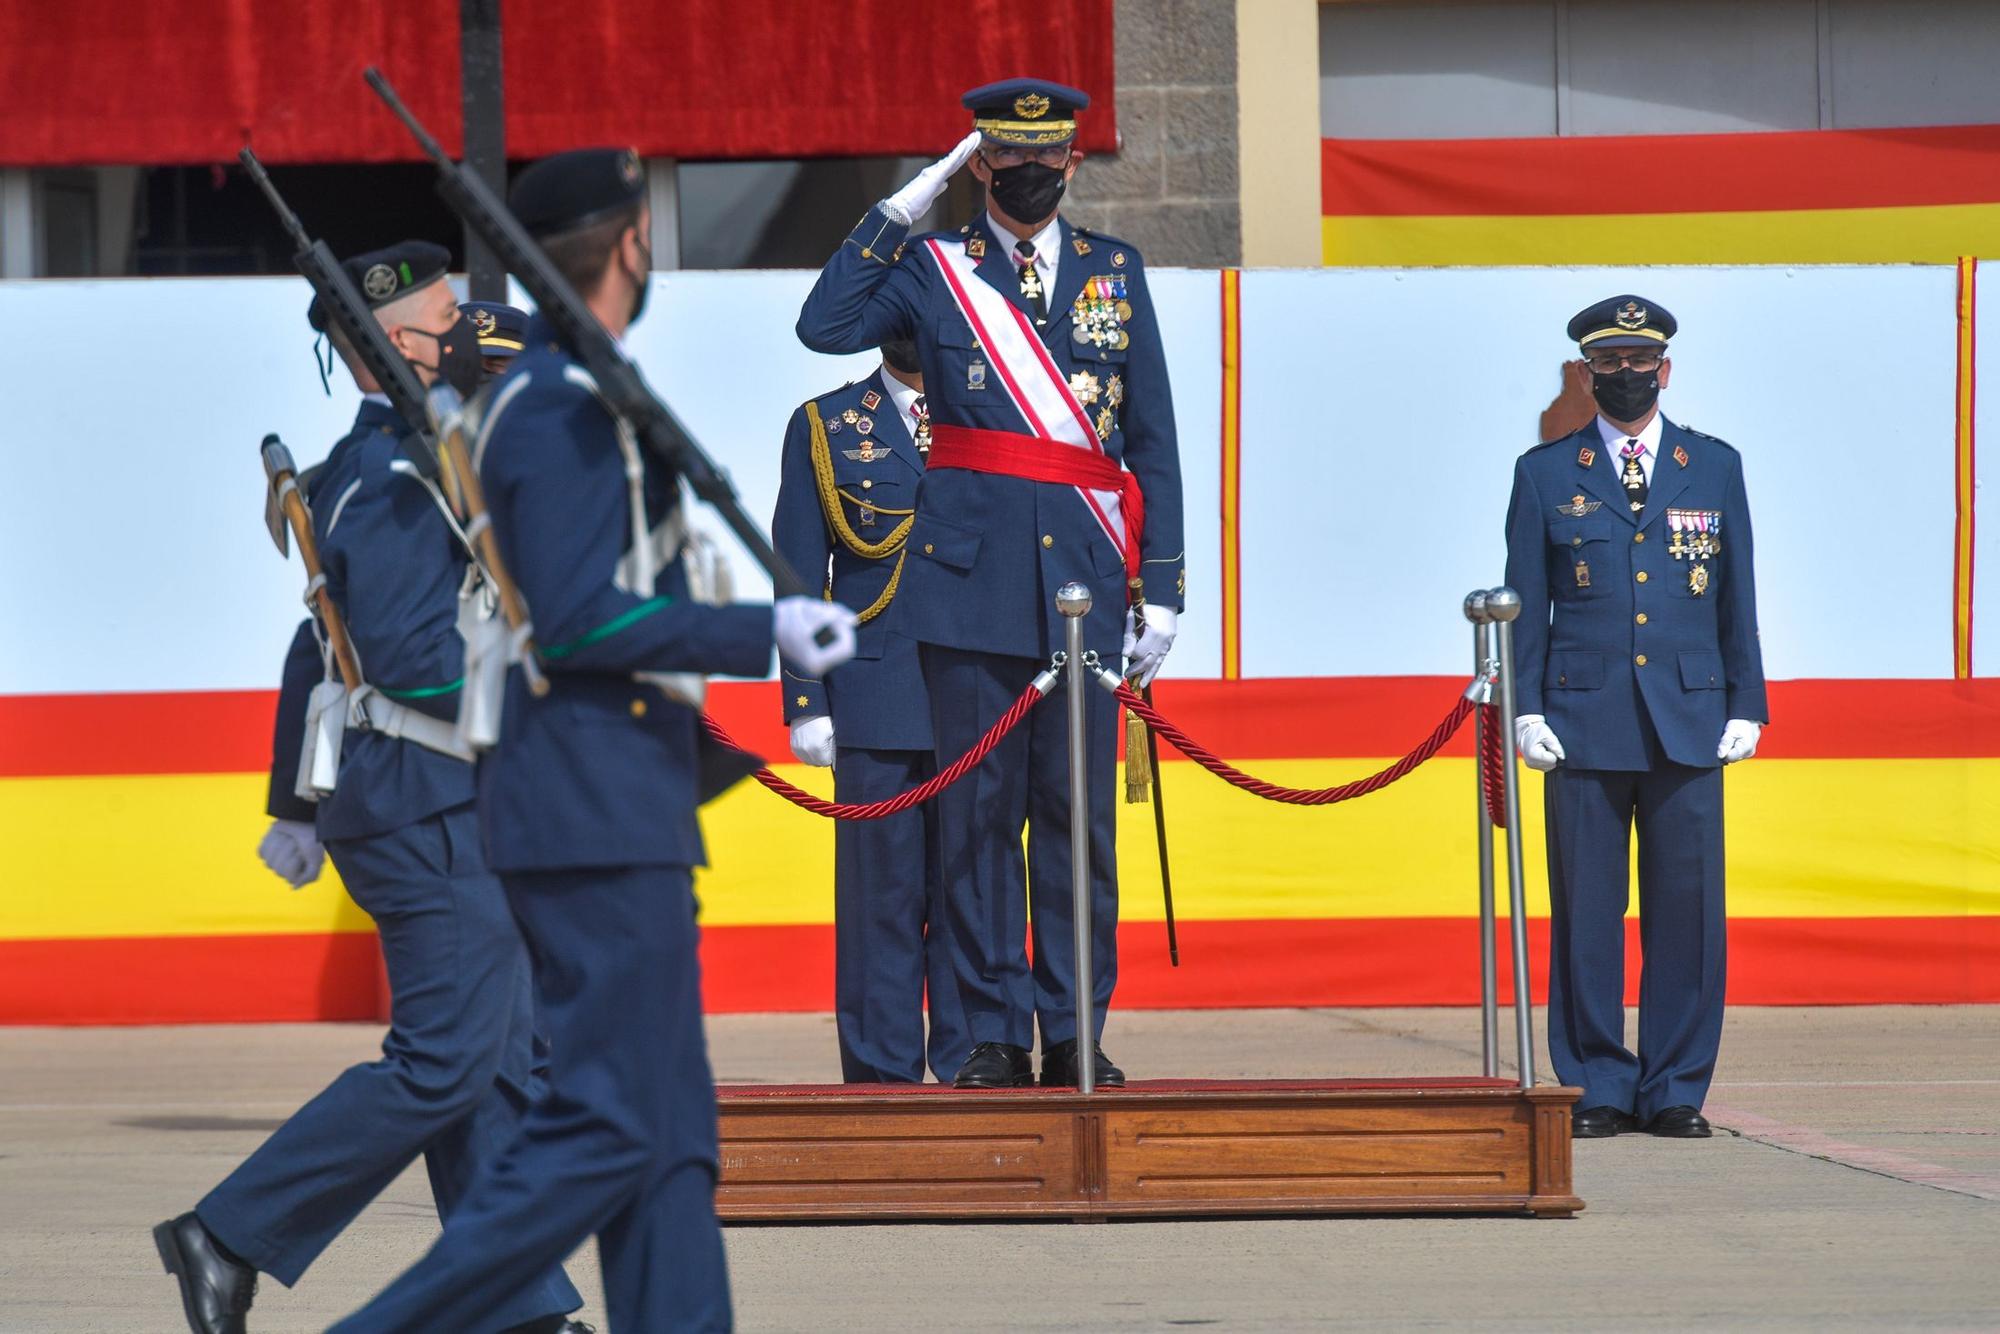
(975, 246)
(1578, 507)
(871, 400)
(1082, 246)
(1680, 456)
(1585, 457)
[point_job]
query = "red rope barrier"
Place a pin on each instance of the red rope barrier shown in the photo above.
(1296, 796)
(902, 801)
(1493, 765)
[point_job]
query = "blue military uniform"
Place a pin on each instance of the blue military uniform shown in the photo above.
(988, 552)
(457, 1066)
(888, 910)
(1638, 641)
(587, 807)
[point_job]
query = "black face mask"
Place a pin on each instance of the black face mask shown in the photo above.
(640, 280)
(1625, 395)
(460, 363)
(1029, 192)
(901, 355)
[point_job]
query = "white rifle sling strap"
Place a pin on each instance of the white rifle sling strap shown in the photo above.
(326, 718)
(654, 549)
(491, 646)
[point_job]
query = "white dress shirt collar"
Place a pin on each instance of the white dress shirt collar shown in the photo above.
(1649, 436)
(1047, 243)
(902, 397)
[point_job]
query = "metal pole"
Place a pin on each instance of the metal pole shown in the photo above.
(1505, 604)
(1073, 601)
(483, 101)
(1489, 983)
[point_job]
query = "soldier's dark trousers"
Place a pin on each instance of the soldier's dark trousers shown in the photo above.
(887, 893)
(1682, 932)
(623, 1146)
(454, 1076)
(989, 890)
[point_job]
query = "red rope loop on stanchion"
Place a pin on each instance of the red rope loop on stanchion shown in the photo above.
(1493, 765)
(902, 801)
(1296, 796)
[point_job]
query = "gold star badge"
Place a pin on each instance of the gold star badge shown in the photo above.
(1084, 385)
(1115, 393)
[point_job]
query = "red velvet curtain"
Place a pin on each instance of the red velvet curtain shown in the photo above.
(138, 82)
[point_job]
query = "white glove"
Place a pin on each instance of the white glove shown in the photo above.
(812, 741)
(915, 199)
(1739, 740)
(292, 849)
(1147, 649)
(796, 623)
(1538, 745)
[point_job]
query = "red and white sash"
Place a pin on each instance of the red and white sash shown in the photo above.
(1033, 383)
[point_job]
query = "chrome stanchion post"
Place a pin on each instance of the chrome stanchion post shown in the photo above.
(1504, 604)
(1073, 601)
(1489, 983)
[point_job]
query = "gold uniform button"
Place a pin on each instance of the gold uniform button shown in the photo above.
(1576, 541)
(928, 548)
(1562, 680)
(867, 483)
(1642, 618)
(638, 708)
(1641, 660)
(803, 701)
(1048, 540)
(1638, 537)
(1641, 576)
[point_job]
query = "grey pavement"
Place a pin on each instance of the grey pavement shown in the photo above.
(1859, 1188)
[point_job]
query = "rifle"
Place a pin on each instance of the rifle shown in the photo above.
(421, 410)
(617, 378)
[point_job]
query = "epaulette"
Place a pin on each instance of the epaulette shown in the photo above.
(1589, 426)
(1704, 435)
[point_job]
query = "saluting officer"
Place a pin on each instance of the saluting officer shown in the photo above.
(1052, 428)
(455, 1073)
(846, 501)
(1640, 677)
(588, 804)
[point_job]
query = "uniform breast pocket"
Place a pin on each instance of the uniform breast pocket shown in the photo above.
(968, 375)
(877, 494)
(1579, 559)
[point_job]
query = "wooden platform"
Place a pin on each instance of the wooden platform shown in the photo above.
(1158, 1148)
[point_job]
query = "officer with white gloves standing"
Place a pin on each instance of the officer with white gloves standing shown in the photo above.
(1640, 676)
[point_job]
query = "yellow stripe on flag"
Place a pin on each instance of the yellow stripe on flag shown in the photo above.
(175, 855)
(1937, 233)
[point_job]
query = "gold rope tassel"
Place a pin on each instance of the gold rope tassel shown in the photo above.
(830, 496)
(1138, 770)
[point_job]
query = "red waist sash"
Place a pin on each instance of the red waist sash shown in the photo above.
(1035, 459)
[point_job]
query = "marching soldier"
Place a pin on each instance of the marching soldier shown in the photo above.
(1640, 677)
(587, 806)
(846, 501)
(1053, 459)
(455, 1073)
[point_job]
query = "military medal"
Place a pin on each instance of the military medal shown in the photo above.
(1084, 385)
(1697, 579)
(1098, 316)
(1104, 424)
(1114, 393)
(864, 424)
(865, 514)
(1677, 546)
(850, 416)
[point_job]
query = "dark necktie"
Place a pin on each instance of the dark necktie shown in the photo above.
(1634, 477)
(1031, 281)
(921, 412)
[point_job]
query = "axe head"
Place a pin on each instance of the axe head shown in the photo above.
(277, 464)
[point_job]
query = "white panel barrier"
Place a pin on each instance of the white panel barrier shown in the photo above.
(1381, 415)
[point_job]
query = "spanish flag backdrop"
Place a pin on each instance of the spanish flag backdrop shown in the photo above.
(1812, 197)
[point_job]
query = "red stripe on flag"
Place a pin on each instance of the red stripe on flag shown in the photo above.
(1343, 962)
(1809, 169)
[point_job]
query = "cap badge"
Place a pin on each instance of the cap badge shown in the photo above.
(628, 167)
(484, 323)
(379, 281)
(1631, 315)
(1031, 106)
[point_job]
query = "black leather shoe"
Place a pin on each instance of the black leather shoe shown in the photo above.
(1600, 1122)
(995, 1065)
(1059, 1068)
(216, 1288)
(1681, 1123)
